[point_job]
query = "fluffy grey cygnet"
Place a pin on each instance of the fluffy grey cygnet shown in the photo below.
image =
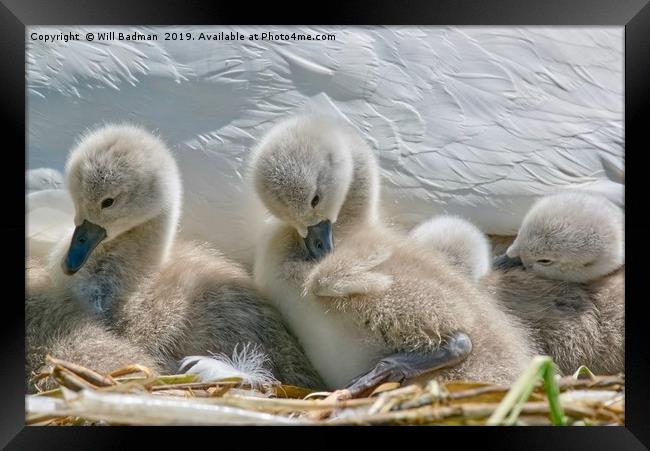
(355, 291)
(564, 276)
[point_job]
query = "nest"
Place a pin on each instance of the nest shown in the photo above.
(135, 396)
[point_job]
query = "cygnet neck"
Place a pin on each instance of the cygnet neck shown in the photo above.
(361, 203)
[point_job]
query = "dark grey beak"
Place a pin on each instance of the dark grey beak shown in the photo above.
(319, 239)
(85, 239)
(504, 263)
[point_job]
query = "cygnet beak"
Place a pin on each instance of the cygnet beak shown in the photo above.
(319, 239)
(85, 239)
(503, 263)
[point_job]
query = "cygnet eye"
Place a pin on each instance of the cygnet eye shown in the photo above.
(315, 201)
(544, 262)
(107, 202)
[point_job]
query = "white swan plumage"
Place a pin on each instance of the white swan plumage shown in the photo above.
(476, 122)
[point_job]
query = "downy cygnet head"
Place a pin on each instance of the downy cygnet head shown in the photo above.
(462, 243)
(572, 236)
(119, 176)
(302, 172)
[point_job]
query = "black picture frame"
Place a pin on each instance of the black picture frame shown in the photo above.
(634, 15)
